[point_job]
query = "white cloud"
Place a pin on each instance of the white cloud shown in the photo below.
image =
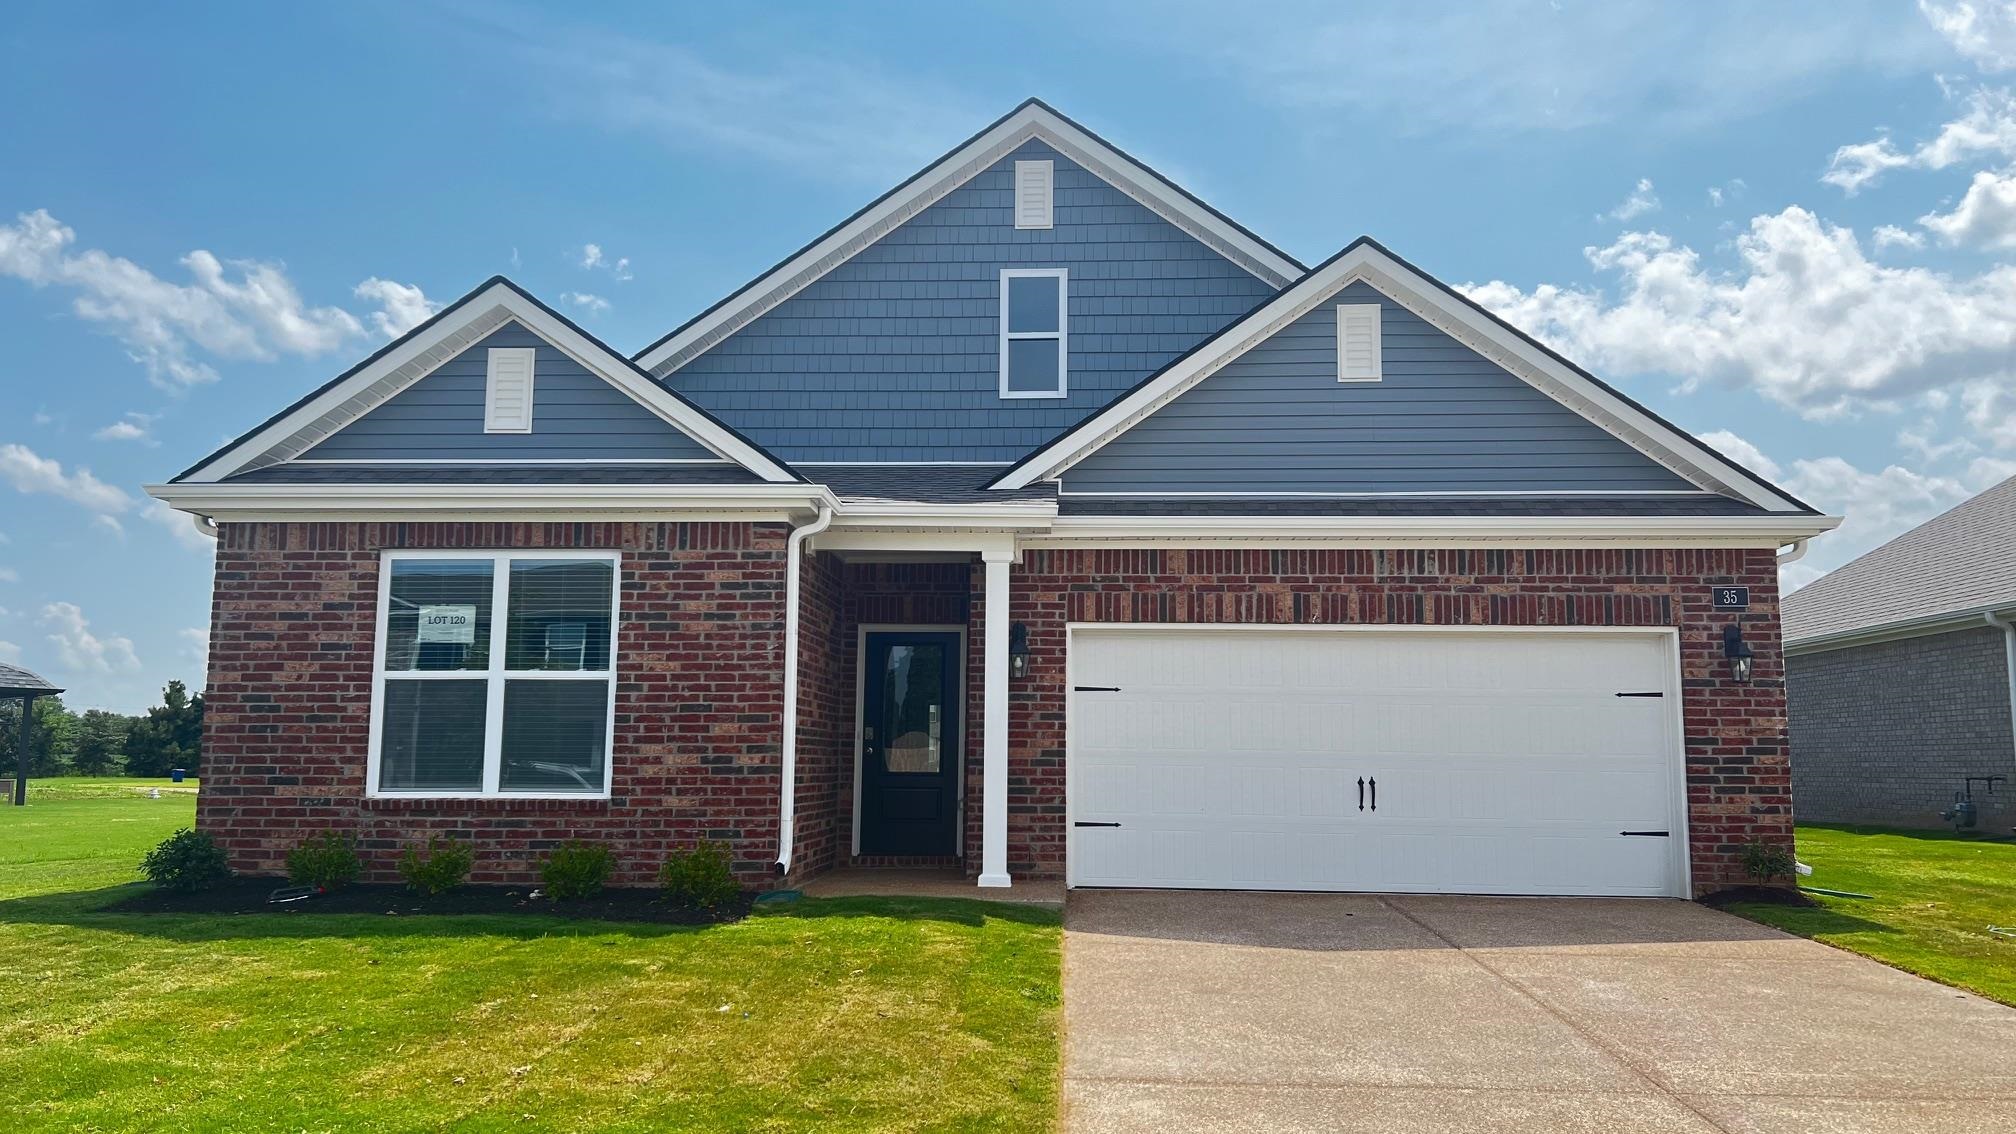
(180, 525)
(8, 575)
(195, 646)
(235, 309)
(1890, 236)
(1984, 218)
(1984, 31)
(592, 258)
(1806, 318)
(1919, 439)
(591, 255)
(1729, 191)
(110, 524)
(77, 648)
(1986, 127)
(1743, 453)
(9, 652)
(401, 307)
(121, 431)
(1641, 201)
(585, 301)
(32, 473)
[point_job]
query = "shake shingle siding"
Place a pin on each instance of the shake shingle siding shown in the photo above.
(1885, 733)
(908, 328)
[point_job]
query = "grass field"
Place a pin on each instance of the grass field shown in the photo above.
(1933, 896)
(857, 1014)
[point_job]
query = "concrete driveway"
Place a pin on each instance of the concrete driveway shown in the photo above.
(1272, 1012)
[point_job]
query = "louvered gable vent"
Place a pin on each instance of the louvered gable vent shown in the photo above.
(507, 392)
(1033, 193)
(1358, 342)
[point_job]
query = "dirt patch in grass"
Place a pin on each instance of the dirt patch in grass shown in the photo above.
(255, 895)
(1757, 895)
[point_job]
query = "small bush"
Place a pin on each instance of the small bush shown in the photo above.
(437, 868)
(576, 869)
(1765, 861)
(700, 877)
(325, 861)
(186, 861)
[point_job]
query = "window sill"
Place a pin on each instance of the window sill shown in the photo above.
(1018, 395)
(429, 802)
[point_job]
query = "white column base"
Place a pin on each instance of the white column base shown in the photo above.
(995, 881)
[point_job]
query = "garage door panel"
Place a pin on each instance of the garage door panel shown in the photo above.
(1504, 762)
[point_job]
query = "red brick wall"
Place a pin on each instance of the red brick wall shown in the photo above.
(1738, 777)
(825, 717)
(698, 698)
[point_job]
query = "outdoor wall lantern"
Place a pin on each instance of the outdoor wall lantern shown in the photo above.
(1018, 651)
(1738, 652)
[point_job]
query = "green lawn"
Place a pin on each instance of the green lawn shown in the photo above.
(1934, 896)
(859, 1014)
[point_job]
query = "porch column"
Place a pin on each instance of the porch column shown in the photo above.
(994, 723)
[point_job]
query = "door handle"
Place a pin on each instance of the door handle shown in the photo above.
(1374, 781)
(1649, 834)
(1361, 793)
(1083, 823)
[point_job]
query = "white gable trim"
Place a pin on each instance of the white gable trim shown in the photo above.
(1406, 286)
(411, 359)
(1032, 120)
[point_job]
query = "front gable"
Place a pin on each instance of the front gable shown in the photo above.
(1441, 418)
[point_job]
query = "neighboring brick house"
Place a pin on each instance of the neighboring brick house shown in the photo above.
(1037, 521)
(1901, 674)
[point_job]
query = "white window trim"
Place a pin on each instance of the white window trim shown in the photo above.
(1062, 334)
(495, 675)
(530, 356)
(1378, 344)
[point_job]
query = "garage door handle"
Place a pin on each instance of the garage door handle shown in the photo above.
(1361, 793)
(1374, 782)
(1095, 689)
(1654, 693)
(1649, 834)
(1082, 823)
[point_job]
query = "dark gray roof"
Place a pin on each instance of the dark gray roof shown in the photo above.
(14, 679)
(309, 473)
(1619, 506)
(1962, 560)
(921, 484)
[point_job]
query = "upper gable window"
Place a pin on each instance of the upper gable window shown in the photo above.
(1033, 349)
(1358, 347)
(507, 390)
(1033, 193)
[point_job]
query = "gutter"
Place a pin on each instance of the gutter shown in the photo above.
(787, 801)
(2009, 664)
(1794, 553)
(1904, 628)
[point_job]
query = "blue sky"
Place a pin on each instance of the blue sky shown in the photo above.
(1790, 227)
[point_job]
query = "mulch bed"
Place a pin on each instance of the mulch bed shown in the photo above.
(1762, 895)
(251, 895)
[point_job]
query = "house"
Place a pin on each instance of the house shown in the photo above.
(1900, 669)
(1037, 519)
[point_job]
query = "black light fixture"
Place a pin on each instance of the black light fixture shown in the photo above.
(1738, 652)
(1018, 651)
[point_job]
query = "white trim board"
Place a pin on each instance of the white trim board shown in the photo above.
(426, 348)
(1366, 262)
(1031, 120)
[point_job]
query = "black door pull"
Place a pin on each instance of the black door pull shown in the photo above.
(1649, 834)
(1083, 823)
(1374, 781)
(1654, 693)
(1361, 793)
(1095, 689)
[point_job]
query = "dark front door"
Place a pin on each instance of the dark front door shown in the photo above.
(910, 744)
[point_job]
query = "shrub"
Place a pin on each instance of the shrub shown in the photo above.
(437, 868)
(700, 877)
(325, 861)
(186, 861)
(576, 869)
(1765, 861)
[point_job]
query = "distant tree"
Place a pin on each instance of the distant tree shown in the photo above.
(101, 742)
(52, 740)
(169, 736)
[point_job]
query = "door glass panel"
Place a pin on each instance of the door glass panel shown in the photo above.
(913, 710)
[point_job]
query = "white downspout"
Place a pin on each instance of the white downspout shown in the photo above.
(205, 524)
(787, 804)
(1793, 553)
(2009, 665)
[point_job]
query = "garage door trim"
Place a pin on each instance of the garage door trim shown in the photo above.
(1673, 692)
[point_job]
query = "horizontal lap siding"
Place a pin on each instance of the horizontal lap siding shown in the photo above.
(1442, 419)
(575, 414)
(1738, 780)
(895, 356)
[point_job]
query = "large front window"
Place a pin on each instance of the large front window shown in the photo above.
(495, 674)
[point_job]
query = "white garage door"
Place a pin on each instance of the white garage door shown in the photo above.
(1418, 761)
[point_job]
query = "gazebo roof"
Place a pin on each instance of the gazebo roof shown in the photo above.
(15, 681)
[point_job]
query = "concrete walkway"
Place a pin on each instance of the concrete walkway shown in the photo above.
(1284, 1012)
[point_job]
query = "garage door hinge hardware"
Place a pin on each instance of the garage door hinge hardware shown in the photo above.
(1083, 823)
(1654, 693)
(1649, 834)
(1095, 689)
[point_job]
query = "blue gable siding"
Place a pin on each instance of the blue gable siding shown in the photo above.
(1442, 419)
(575, 414)
(894, 356)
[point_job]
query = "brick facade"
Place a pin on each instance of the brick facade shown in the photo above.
(1738, 783)
(1885, 733)
(698, 701)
